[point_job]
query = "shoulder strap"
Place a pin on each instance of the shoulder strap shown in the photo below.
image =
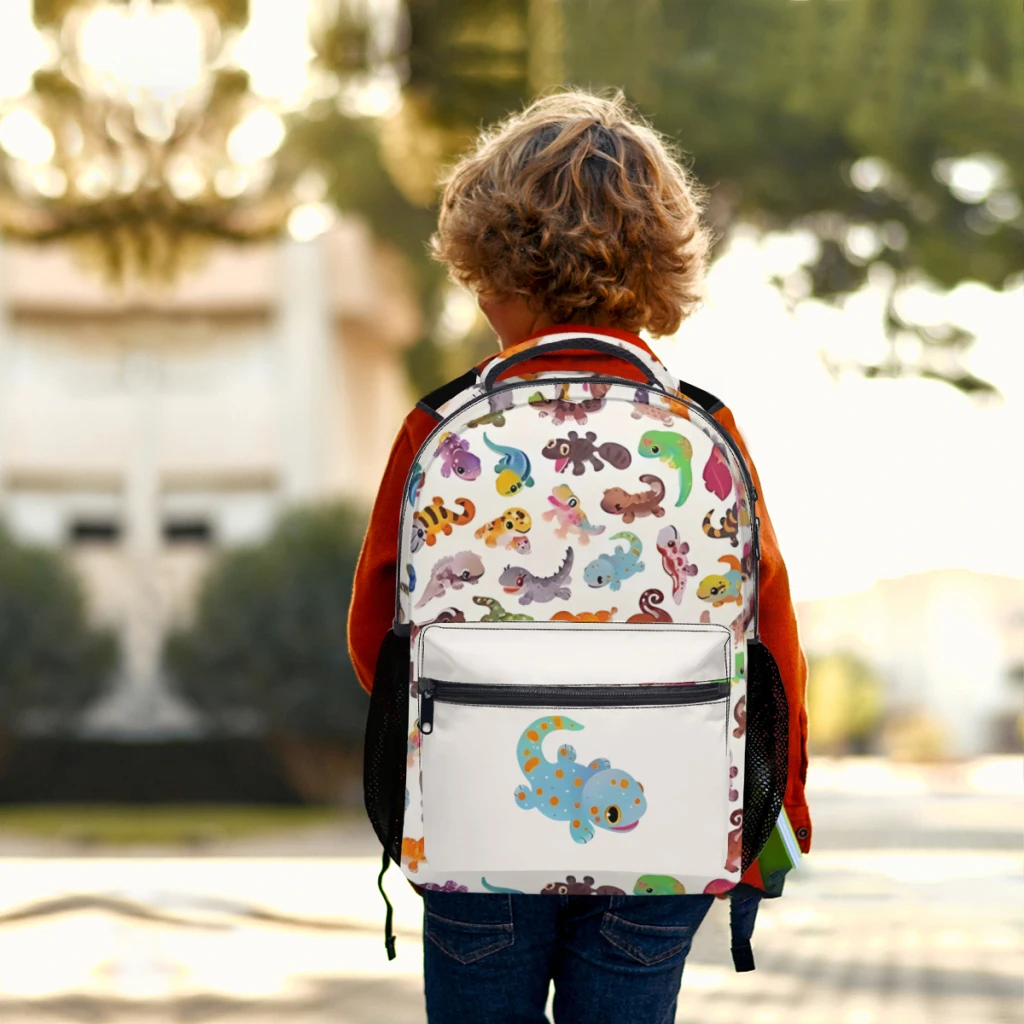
(432, 403)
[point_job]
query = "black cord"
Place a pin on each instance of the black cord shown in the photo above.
(389, 935)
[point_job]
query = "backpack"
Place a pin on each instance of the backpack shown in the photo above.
(573, 698)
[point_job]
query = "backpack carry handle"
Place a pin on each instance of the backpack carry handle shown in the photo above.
(499, 366)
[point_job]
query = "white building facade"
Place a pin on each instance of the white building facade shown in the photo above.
(142, 431)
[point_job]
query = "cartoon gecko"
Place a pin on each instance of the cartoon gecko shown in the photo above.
(674, 560)
(570, 515)
(457, 458)
(435, 519)
(728, 587)
(499, 404)
(496, 613)
(642, 407)
(735, 848)
(453, 571)
(560, 408)
(658, 885)
(413, 746)
(675, 451)
(580, 450)
(501, 530)
(416, 478)
(408, 588)
(587, 796)
(619, 502)
(740, 624)
(618, 566)
(513, 468)
(517, 580)
(739, 712)
(649, 610)
(729, 524)
(448, 886)
(497, 888)
(601, 616)
(570, 887)
(717, 475)
(412, 854)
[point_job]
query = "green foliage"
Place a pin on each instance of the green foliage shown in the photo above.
(821, 114)
(269, 635)
(844, 703)
(186, 825)
(357, 183)
(52, 663)
(782, 104)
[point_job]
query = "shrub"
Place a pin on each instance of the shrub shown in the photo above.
(267, 649)
(53, 664)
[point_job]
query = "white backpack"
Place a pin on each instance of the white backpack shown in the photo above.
(573, 698)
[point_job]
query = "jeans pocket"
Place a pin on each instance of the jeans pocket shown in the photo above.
(647, 944)
(468, 926)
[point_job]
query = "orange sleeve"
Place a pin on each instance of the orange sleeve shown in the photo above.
(777, 623)
(372, 610)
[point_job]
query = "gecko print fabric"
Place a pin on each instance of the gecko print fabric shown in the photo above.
(553, 530)
(589, 797)
(545, 516)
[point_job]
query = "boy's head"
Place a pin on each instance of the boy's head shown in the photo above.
(578, 211)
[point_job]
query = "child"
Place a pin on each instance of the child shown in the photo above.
(573, 212)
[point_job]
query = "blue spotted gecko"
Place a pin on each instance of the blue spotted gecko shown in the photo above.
(622, 563)
(587, 796)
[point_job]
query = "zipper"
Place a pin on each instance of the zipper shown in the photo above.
(748, 480)
(489, 695)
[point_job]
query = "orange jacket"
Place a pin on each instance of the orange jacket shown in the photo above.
(373, 595)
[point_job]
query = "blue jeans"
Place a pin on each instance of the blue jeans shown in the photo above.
(613, 959)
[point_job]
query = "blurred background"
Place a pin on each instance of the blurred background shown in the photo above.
(216, 307)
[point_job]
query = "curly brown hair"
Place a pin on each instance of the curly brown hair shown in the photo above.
(578, 205)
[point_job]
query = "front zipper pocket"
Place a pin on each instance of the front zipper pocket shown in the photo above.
(556, 696)
(551, 749)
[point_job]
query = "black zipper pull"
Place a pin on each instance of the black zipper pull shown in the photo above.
(426, 706)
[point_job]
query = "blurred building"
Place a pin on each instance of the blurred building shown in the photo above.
(143, 430)
(949, 645)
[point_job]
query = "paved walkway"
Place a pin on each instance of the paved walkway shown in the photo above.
(909, 912)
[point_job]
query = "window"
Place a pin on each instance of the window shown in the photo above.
(94, 530)
(188, 531)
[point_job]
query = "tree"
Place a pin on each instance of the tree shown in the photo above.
(53, 664)
(891, 129)
(267, 649)
(845, 699)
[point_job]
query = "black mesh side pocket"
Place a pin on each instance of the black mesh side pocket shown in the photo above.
(767, 758)
(384, 753)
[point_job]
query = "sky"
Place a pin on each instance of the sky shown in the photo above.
(863, 480)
